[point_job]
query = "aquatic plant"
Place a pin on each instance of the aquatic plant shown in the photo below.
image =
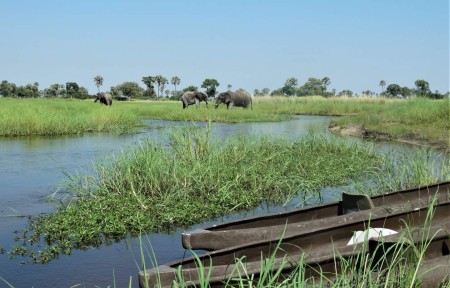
(154, 187)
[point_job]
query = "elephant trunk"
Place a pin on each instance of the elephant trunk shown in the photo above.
(218, 101)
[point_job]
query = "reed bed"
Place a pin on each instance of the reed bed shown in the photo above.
(416, 120)
(20, 117)
(318, 105)
(154, 187)
(172, 110)
(419, 119)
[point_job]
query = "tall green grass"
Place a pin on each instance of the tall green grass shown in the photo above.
(155, 187)
(19, 117)
(423, 120)
(317, 105)
(419, 119)
(172, 110)
(398, 171)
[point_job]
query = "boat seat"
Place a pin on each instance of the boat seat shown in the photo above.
(355, 202)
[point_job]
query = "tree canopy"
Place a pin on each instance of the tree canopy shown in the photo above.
(422, 86)
(98, 80)
(393, 90)
(130, 89)
(149, 81)
(210, 85)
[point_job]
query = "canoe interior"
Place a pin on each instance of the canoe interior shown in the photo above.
(325, 232)
(435, 237)
(331, 209)
(284, 224)
(321, 234)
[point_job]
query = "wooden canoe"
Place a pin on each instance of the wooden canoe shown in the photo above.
(268, 226)
(434, 268)
(319, 237)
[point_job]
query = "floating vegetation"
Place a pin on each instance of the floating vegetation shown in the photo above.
(156, 187)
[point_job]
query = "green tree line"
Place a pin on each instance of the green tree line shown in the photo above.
(319, 87)
(157, 87)
(68, 90)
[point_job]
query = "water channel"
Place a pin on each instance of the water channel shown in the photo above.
(31, 168)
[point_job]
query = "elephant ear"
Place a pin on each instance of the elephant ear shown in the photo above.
(228, 97)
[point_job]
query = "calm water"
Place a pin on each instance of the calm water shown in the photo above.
(31, 168)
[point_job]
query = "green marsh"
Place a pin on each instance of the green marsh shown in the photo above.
(155, 188)
(416, 120)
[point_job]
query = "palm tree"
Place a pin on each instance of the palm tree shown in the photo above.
(148, 81)
(158, 80)
(382, 84)
(228, 86)
(175, 81)
(164, 81)
(98, 80)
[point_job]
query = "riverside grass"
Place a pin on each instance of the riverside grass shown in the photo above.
(418, 119)
(24, 117)
(153, 188)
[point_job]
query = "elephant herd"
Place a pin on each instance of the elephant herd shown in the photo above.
(231, 99)
(237, 99)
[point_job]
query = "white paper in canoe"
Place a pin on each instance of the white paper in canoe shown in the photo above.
(371, 233)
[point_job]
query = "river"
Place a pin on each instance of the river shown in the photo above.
(31, 168)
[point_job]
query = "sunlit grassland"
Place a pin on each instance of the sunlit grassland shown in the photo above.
(415, 119)
(172, 110)
(318, 105)
(20, 117)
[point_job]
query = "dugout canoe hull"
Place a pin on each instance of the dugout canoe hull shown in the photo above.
(319, 239)
(269, 226)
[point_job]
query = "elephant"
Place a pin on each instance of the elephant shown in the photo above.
(238, 99)
(104, 98)
(193, 97)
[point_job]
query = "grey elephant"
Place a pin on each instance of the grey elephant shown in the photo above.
(104, 98)
(193, 97)
(238, 99)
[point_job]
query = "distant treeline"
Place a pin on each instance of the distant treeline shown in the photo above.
(156, 87)
(318, 87)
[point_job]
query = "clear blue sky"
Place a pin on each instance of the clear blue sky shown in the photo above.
(250, 44)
